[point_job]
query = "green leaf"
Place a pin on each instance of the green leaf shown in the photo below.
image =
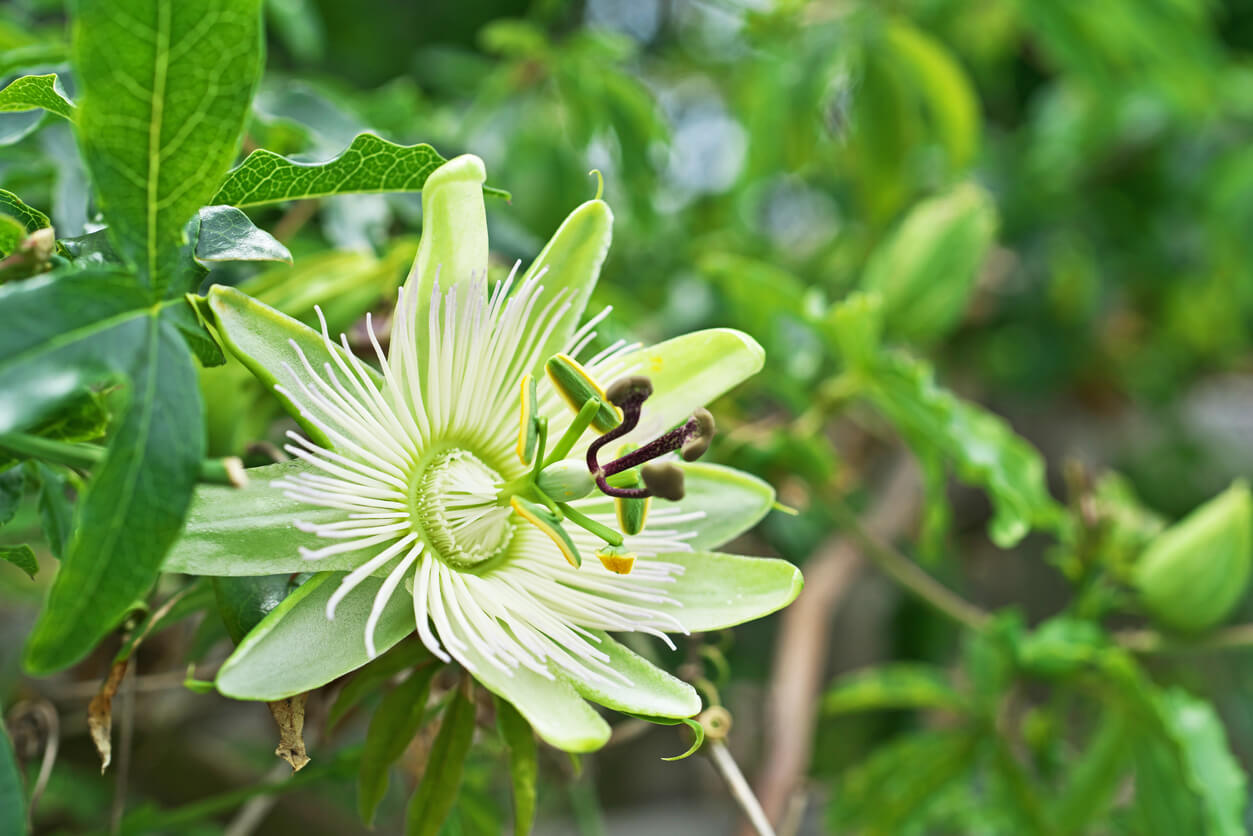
(1062, 646)
(983, 450)
(12, 486)
(166, 89)
(227, 234)
(12, 234)
(12, 793)
(519, 739)
(925, 271)
(32, 219)
(854, 327)
(649, 689)
(244, 602)
(260, 337)
(719, 590)
(393, 726)
(370, 678)
(36, 91)
(947, 91)
(55, 509)
(899, 685)
(893, 787)
(1207, 766)
(1094, 777)
(369, 165)
(133, 507)
(23, 557)
(437, 790)
(296, 648)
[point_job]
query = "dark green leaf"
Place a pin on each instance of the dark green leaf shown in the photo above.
(12, 234)
(133, 507)
(243, 602)
(523, 763)
(190, 324)
(900, 685)
(32, 219)
(36, 91)
(23, 557)
(12, 793)
(371, 677)
(12, 485)
(55, 509)
(1062, 646)
(166, 88)
(438, 789)
(393, 726)
(1094, 778)
(370, 164)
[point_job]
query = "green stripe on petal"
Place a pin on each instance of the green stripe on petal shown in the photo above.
(261, 338)
(719, 590)
(652, 691)
(552, 706)
(688, 372)
(250, 530)
(732, 502)
(296, 648)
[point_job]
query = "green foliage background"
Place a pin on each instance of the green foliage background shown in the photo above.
(1010, 241)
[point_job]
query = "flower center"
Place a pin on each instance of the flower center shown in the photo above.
(454, 501)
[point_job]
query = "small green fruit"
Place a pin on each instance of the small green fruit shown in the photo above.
(1193, 574)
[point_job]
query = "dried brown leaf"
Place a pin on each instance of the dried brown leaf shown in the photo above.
(100, 713)
(289, 714)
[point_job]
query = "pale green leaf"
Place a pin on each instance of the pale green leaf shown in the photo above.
(36, 91)
(722, 590)
(369, 165)
(296, 648)
(437, 790)
(899, 685)
(166, 88)
(946, 89)
(1207, 766)
(650, 690)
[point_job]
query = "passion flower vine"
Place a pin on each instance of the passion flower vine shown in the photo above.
(456, 489)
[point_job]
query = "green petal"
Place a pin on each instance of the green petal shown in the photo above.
(720, 590)
(261, 338)
(652, 691)
(454, 233)
(296, 649)
(250, 531)
(731, 500)
(688, 372)
(552, 706)
(571, 260)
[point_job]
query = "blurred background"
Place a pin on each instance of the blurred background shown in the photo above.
(1071, 182)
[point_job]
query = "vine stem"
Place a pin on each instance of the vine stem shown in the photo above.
(227, 471)
(740, 790)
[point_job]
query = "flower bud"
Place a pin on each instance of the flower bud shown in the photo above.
(1193, 574)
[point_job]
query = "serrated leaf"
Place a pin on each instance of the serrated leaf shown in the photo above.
(523, 763)
(901, 685)
(36, 91)
(393, 726)
(166, 88)
(23, 557)
(369, 165)
(980, 446)
(133, 508)
(437, 790)
(30, 218)
(227, 234)
(882, 795)
(12, 793)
